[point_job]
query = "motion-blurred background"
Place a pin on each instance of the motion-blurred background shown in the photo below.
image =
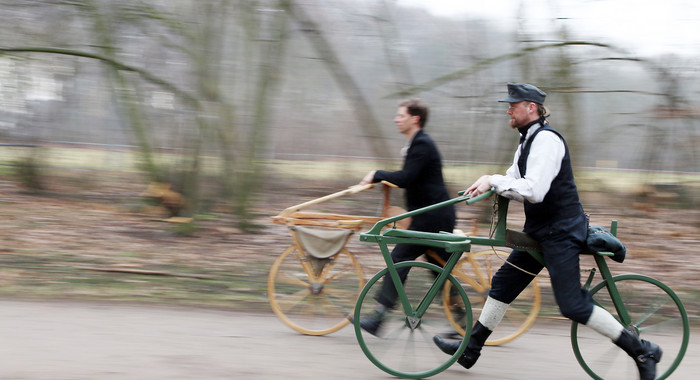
(244, 107)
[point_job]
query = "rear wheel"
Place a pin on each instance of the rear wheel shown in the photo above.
(655, 314)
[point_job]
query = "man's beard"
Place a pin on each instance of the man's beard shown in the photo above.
(514, 124)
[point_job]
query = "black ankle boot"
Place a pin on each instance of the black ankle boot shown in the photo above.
(645, 354)
(476, 341)
(371, 324)
(447, 347)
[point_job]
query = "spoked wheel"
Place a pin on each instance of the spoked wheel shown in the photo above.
(477, 272)
(314, 296)
(655, 313)
(404, 346)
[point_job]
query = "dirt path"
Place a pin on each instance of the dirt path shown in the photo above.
(69, 340)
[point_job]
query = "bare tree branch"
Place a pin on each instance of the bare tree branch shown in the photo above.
(483, 64)
(114, 63)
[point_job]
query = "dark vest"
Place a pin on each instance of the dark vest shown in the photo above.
(561, 205)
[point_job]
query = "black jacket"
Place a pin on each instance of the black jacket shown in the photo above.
(422, 178)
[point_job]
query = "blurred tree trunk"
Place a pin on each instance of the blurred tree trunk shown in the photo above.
(671, 128)
(363, 111)
(565, 79)
(272, 35)
(122, 88)
(391, 44)
(204, 38)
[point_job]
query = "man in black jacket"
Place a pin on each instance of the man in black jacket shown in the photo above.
(422, 178)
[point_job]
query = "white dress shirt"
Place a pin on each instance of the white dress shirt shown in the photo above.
(543, 164)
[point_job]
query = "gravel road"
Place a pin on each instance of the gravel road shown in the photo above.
(75, 341)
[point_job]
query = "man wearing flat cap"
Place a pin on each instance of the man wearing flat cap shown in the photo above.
(542, 178)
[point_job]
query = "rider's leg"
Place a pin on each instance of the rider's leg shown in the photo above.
(407, 252)
(576, 304)
(402, 252)
(454, 302)
(604, 323)
(387, 296)
(491, 315)
(508, 282)
(645, 354)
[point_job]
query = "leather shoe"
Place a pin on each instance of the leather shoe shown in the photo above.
(645, 354)
(471, 354)
(468, 357)
(371, 324)
(447, 347)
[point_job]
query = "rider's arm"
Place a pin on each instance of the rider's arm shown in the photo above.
(543, 164)
(418, 157)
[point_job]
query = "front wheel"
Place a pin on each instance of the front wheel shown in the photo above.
(655, 314)
(404, 346)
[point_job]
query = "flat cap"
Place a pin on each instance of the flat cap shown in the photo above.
(518, 92)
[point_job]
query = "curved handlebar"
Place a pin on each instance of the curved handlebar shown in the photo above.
(479, 197)
(376, 230)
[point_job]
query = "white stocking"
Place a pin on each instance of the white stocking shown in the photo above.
(492, 313)
(604, 323)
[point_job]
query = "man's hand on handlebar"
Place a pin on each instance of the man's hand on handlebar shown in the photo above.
(482, 185)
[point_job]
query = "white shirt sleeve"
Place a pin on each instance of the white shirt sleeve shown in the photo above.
(543, 165)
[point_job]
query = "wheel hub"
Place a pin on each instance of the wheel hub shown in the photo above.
(316, 288)
(413, 322)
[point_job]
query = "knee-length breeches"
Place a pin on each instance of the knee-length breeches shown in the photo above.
(562, 260)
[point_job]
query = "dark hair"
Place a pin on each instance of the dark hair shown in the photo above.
(541, 110)
(415, 107)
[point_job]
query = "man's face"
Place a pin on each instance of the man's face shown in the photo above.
(405, 122)
(521, 113)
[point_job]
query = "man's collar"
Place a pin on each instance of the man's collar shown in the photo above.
(523, 130)
(409, 142)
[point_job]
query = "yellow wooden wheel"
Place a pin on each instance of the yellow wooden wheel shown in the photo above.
(314, 296)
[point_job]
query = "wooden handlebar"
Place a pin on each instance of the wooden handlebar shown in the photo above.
(293, 214)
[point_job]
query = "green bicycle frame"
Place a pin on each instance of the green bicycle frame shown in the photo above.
(450, 243)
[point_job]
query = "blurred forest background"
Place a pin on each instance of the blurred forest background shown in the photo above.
(224, 98)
